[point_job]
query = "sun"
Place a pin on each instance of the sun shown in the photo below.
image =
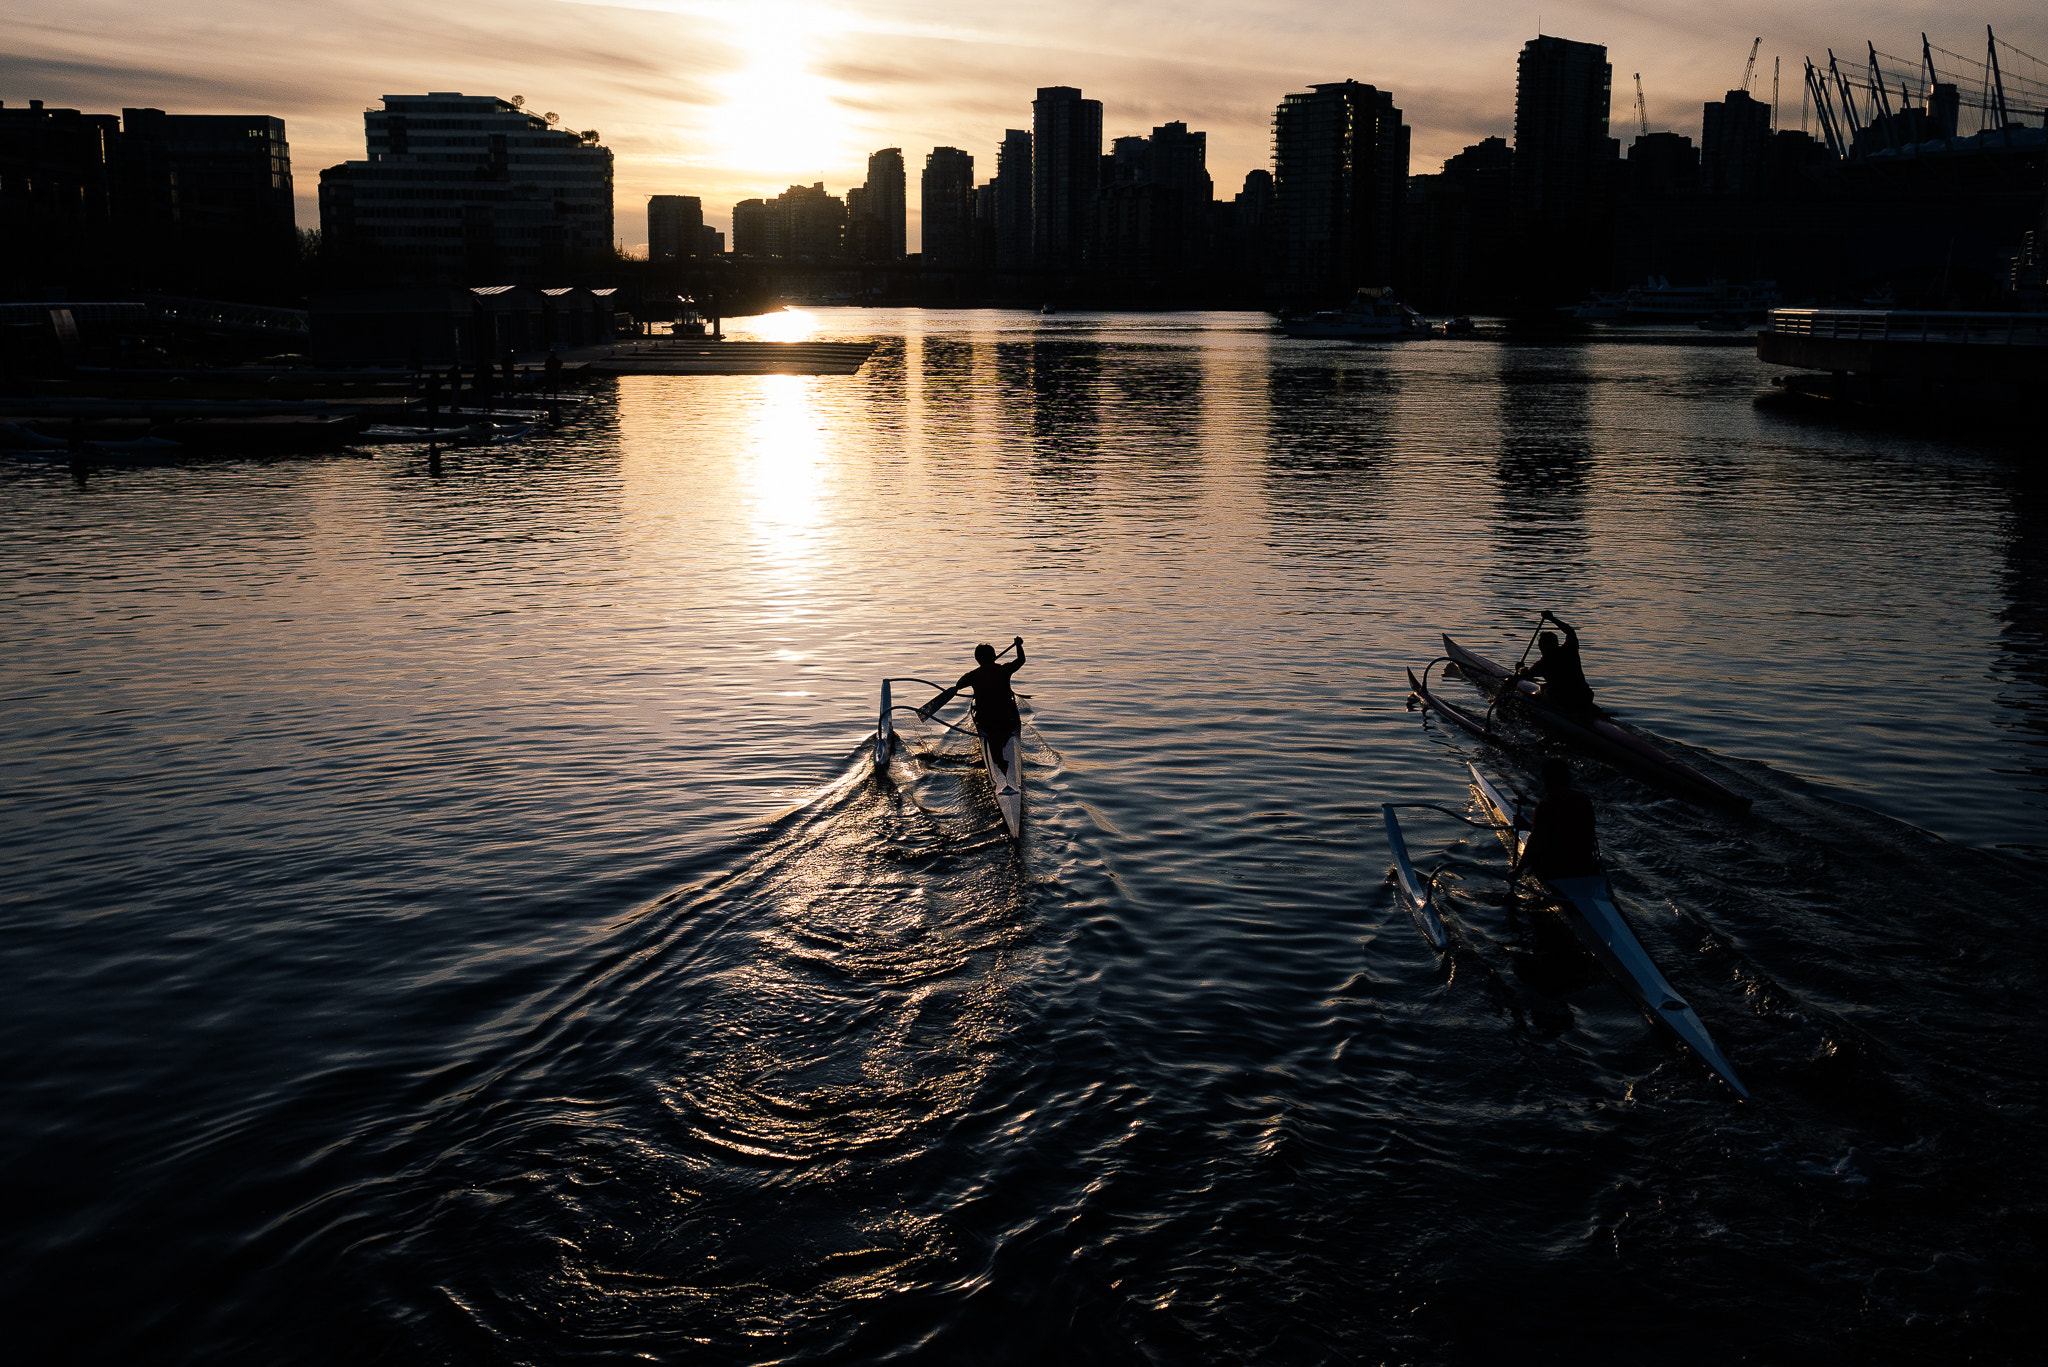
(779, 117)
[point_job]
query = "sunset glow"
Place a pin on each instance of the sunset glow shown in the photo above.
(779, 117)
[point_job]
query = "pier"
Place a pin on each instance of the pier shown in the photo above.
(1964, 368)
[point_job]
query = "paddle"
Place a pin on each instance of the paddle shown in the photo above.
(1509, 686)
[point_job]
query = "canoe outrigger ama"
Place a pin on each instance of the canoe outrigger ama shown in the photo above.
(1005, 770)
(1594, 730)
(1588, 908)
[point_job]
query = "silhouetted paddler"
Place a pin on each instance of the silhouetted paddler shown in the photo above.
(1557, 664)
(995, 706)
(1562, 841)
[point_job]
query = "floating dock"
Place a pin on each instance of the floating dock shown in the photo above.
(711, 356)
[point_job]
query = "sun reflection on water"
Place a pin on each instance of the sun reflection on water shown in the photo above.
(785, 473)
(790, 325)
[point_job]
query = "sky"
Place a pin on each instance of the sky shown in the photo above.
(733, 99)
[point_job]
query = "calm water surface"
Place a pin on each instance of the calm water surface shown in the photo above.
(451, 918)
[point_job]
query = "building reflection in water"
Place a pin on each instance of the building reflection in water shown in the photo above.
(1327, 453)
(1542, 474)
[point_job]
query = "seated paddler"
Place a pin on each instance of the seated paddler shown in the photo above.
(995, 706)
(1562, 841)
(1557, 664)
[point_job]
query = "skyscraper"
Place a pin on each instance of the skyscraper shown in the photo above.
(1066, 150)
(1563, 176)
(948, 206)
(1340, 177)
(675, 227)
(1153, 206)
(1663, 164)
(1735, 138)
(883, 206)
(1457, 231)
(1013, 200)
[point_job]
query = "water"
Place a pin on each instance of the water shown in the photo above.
(451, 918)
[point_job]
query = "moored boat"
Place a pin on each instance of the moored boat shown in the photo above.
(1372, 315)
(1588, 907)
(1599, 733)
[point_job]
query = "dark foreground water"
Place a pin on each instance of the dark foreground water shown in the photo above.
(451, 919)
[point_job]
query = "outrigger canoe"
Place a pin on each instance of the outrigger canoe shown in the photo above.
(1419, 895)
(1597, 733)
(1449, 710)
(1005, 769)
(1588, 906)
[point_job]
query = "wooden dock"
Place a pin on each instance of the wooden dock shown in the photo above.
(711, 356)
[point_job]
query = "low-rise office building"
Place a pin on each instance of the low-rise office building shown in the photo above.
(469, 187)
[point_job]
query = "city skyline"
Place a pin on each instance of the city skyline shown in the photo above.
(730, 101)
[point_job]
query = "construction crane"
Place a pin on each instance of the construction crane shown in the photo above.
(1642, 109)
(1749, 67)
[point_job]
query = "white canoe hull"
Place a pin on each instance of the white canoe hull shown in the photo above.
(1589, 909)
(1006, 774)
(1413, 890)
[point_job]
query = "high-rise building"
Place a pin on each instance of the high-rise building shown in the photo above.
(876, 212)
(58, 188)
(1735, 137)
(863, 231)
(1663, 164)
(1066, 151)
(232, 174)
(985, 224)
(1564, 167)
(1340, 178)
(675, 227)
(802, 221)
(1252, 226)
(1153, 207)
(1457, 229)
(1013, 200)
(750, 232)
(470, 187)
(947, 201)
(189, 201)
(805, 221)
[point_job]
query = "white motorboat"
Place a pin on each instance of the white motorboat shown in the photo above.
(1372, 315)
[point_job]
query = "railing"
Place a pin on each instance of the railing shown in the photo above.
(222, 315)
(1906, 325)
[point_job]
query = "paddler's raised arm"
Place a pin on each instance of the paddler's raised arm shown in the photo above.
(1570, 635)
(1018, 663)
